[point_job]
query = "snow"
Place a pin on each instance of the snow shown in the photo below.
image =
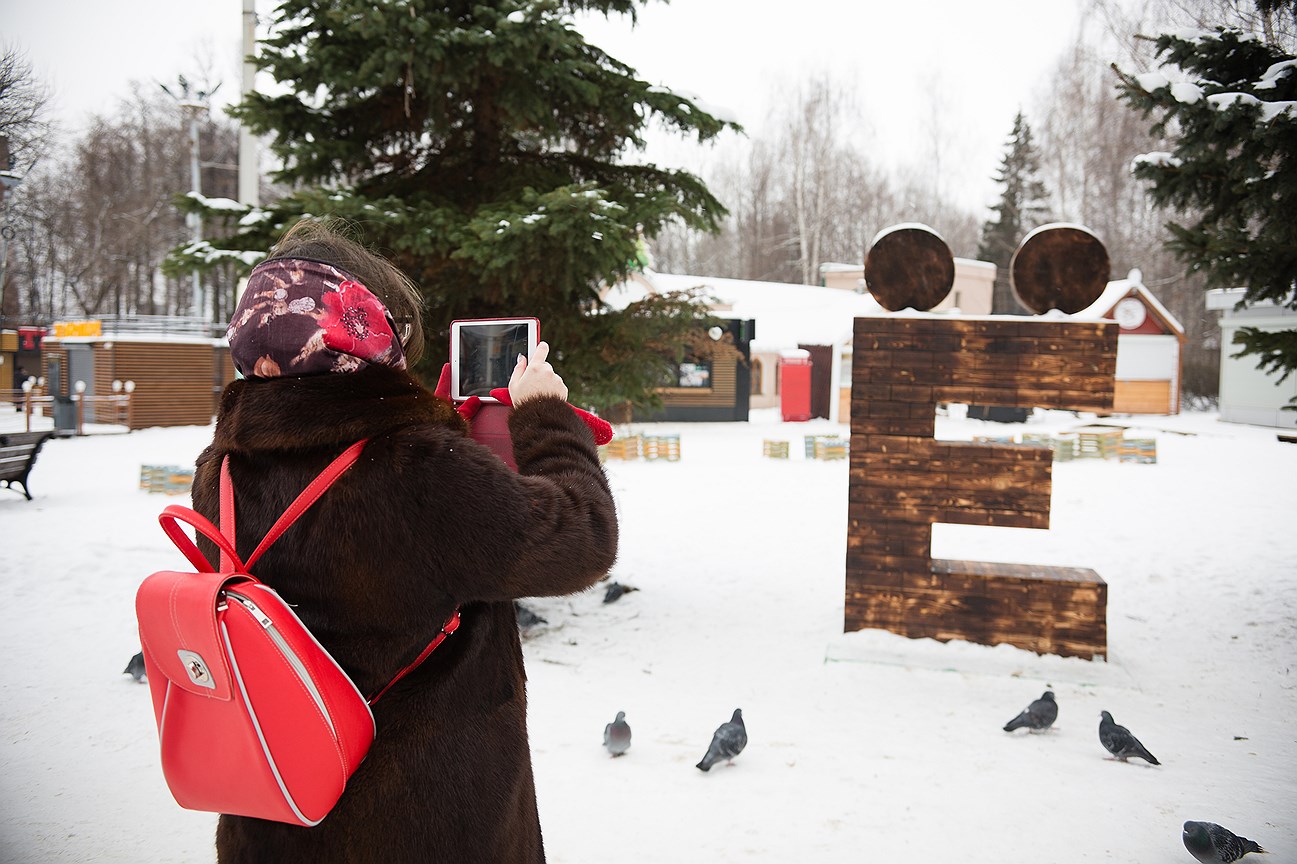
(227, 204)
(1119, 288)
(787, 315)
(861, 746)
(1277, 71)
(1224, 101)
(1186, 92)
(1151, 81)
(1159, 158)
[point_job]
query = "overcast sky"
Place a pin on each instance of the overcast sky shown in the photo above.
(962, 67)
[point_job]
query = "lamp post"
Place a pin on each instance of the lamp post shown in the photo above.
(8, 182)
(80, 388)
(27, 400)
(195, 108)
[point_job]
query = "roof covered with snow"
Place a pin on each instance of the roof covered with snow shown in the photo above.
(786, 314)
(1118, 289)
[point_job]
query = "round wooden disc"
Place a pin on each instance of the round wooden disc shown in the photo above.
(1061, 267)
(909, 266)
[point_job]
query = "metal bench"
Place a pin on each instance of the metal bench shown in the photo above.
(17, 455)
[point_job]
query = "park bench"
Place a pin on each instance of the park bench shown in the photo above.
(17, 455)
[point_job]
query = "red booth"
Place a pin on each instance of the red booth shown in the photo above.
(795, 385)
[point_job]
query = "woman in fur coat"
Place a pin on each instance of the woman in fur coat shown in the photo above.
(426, 521)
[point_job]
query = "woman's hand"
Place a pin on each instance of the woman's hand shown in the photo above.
(537, 378)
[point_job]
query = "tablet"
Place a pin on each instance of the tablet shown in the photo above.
(484, 352)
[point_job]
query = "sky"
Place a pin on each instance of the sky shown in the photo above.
(945, 70)
(863, 746)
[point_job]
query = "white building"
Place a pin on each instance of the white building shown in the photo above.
(1248, 394)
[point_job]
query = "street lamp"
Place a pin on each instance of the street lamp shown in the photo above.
(9, 180)
(195, 108)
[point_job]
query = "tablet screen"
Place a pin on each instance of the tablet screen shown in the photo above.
(488, 353)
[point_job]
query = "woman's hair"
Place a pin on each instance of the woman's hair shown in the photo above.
(327, 242)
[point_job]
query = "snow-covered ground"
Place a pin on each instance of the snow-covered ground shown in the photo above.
(862, 747)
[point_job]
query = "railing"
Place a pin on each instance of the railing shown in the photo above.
(172, 325)
(175, 325)
(114, 410)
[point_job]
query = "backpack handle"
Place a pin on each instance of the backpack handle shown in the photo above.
(173, 513)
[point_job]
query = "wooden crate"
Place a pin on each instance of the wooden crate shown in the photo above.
(774, 449)
(661, 447)
(166, 479)
(1139, 450)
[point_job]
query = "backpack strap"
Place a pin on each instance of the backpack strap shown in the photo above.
(300, 505)
(451, 625)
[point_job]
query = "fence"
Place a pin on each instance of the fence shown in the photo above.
(69, 412)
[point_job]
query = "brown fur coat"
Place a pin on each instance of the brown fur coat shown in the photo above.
(427, 519)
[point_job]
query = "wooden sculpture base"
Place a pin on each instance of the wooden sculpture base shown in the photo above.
(902, 479)
(1049, 610)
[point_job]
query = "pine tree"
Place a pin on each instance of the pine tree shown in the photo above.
(1231, 179)
(1022, 207)
(483, 146)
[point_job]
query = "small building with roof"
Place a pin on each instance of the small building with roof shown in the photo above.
(1150, 347)
(780, 316)
(1249, 394)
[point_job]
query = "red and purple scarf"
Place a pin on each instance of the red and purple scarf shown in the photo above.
(298, 316)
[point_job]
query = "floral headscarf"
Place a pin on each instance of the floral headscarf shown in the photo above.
(303, 317)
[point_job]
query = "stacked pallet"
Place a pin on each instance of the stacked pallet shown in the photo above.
(624, 447)
(826, 447)
(831, 449)
(661, 447)
(902, 480)
(1098, 442)
(774, 449)
(1142, 451)
(166, 479)
(1063, 446)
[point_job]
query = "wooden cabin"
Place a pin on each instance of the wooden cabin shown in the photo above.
(178, 378)
(1150, 347)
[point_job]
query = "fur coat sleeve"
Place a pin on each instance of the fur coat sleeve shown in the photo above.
(549, 529)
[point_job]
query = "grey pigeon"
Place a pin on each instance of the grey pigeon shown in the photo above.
(615, 590)
(526, 618)
(1118, 741)
(1212, 844)
(728, 742)
(1036, 717)
(135, 668)
(616, 735)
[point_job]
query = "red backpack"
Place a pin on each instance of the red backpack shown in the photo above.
(255, 718)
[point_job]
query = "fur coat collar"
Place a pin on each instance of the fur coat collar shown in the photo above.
(326, 411)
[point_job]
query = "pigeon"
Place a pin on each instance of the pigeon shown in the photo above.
(1038, 716)
(1120, 743)
(615, 590)
(728, 742)
(526, 618)
(135, 668)
(1212, 844)
(616, 735)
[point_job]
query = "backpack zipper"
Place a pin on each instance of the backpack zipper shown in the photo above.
(293, 660)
